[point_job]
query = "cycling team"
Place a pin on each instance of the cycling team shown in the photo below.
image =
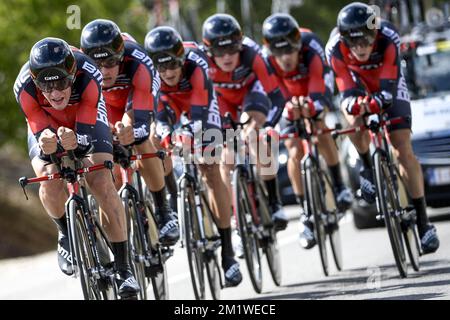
(89, 99)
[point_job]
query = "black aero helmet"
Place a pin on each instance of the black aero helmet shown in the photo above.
(357, 21)
(101, 39)
(221, 30)
(281, 34)
(52, 62)
(164, 45)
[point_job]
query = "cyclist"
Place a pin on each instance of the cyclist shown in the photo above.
(364, 54)
(130, 87)
(186, 88)
(298, 58)
(59, 92)
(242, 78)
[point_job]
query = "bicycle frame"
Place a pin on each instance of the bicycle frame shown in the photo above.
(74, 177)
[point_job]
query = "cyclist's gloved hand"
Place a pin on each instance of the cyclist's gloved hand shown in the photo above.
(380, 101)
(67, 138)
(166, 142)
(163, 135)
(124, 133)
(48, 142)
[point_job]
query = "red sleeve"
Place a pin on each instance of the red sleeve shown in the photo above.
(142, 90)
(87, 109)
(268, 80)
(200, 93)
(37, 118)
(344, 79)
(316, 83)
(389, 70)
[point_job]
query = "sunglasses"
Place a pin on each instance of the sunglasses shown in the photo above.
(58, 85)
(365, 41)
(278, 52)
(170, 65)
(110, 62)
(229, 49)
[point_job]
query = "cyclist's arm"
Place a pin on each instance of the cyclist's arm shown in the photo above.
(347, 87)
(91, 109)
(203, 103)
(316, 84)
(143, 101)
(167, 115)
(271, 85)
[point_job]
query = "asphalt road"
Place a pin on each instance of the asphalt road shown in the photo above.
(369, 271)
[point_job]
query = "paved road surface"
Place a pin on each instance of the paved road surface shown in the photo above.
(369, 272)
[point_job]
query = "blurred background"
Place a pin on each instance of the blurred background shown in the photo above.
(24, 227)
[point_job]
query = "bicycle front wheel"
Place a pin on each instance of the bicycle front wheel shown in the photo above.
(244, 210)
(389, 208)
(314, 207)
(136, 242)
(82, 253)
(192, 237)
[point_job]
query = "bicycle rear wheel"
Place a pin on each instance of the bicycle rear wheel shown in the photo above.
(86, 266)
(213, 274)
(408, 224)
(314, 207)
(157, 272)
(136, 242)
(329, 199)
(192, 237)
(269, 241)
(243, 208)
(389, 208)
(212, 267)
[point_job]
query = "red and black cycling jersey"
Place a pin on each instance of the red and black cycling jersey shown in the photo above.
(312, 78)
(136, 88)
(194, 94)
(86, 105)
(380, 73)
(233, 86)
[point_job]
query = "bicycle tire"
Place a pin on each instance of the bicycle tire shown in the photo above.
(83, 254)
(213, 275)
(273, 258)
(313, 206)
(158, 279)
(388, 208)
(210, 256)
(195, 256)
(250, 242)
(136, 242)
(408, 225)
(270, 243)
(328, 198)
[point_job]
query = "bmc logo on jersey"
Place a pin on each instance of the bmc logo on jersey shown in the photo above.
(102, 114)
(198, 60)
(21, 79)
(90, 68)
(143, 57)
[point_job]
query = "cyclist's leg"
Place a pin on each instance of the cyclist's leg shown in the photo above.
(102, 187)
(152, 171)
(53, 196)
(411, 172)
(361, 141)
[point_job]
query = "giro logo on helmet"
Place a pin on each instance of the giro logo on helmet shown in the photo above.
(281, 44)
(51, 78)
(224, 42)
(100, 55)
(165, 59)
